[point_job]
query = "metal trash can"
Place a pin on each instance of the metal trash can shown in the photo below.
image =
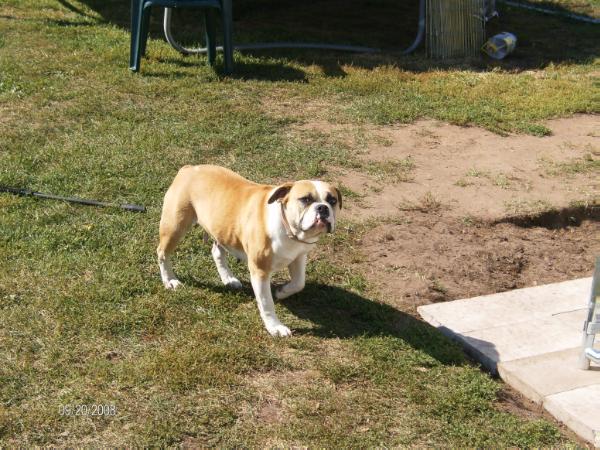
(456, 28)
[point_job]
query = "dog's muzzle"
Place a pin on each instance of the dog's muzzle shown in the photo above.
(322, 217)
(323, 211)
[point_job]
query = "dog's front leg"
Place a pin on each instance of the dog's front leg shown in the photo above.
(261, 283)
(298, 277)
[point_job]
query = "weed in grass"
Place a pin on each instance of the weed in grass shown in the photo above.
(10, 88)
(521, 207)
(476, 173)
(502, 181)
(462, 182)
(383, 140)
(588, 163)
(348, 193)
(587, 203)
(438, 286)
(394, 268)
(428, 203)
(536, 129)
(470, 221)
(394, 170)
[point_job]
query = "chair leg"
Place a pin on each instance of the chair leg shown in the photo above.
(135, 25)
(144, 23)
(145, 30)
(227, 17)
(139, 36)
(211, 35)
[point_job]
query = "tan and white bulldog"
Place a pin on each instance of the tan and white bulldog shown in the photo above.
(271, 227)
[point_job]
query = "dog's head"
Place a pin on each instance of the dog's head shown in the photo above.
(310, 207)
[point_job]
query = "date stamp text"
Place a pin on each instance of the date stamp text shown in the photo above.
(87, 410)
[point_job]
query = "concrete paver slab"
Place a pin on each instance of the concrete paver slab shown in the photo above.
(520, 305)
(548, 374)
(525, 339)
(579, 409)
(532, 337)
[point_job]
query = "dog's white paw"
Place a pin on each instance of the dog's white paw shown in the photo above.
(280, 293)
(286, 290)
(279, 331)
(234, 283)
(173, 284)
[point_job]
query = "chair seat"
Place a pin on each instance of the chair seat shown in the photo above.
(184, 3)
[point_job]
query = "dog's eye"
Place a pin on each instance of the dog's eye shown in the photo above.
(331, 200)
(306, 199)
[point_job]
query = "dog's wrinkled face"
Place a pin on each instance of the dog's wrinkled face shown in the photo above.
(311, 207)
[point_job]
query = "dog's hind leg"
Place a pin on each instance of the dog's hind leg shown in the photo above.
(220, 257)
(174, 223)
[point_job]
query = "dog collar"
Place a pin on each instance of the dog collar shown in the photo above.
(288, 229)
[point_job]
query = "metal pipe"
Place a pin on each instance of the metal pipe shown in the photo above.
(81, 201)
(420, 30)
(296, 45)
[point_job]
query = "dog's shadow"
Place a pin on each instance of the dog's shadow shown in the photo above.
(342, 314)
(336, 313)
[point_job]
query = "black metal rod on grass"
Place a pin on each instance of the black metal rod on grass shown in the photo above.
(81, 201)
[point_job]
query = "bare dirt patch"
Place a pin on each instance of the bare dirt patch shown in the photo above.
(430, 258)
(483, 214)
(473, 172)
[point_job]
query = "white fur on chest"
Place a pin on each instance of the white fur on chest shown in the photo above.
(285, 250)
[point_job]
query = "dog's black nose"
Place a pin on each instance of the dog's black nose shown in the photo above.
(323, 210)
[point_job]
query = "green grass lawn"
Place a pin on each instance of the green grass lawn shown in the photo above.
(84, 319)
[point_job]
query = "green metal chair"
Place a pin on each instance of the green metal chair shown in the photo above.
(140, 20)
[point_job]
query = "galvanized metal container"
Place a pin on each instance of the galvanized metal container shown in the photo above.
(455, 28)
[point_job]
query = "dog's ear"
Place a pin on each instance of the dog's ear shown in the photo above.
(339, 196)
(281, 192)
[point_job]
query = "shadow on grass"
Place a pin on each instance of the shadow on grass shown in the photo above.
(219, 288)
(338, 313)
(266, 71)
(385, 24)
(73, 8)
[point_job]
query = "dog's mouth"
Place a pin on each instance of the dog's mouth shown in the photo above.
(322, 223)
